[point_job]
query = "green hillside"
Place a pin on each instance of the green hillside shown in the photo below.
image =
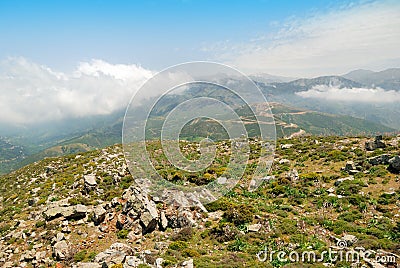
(310, 203)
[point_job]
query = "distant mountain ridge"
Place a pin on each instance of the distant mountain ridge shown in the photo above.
(387, 79)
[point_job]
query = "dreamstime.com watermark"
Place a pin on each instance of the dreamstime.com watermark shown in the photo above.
(342, 254)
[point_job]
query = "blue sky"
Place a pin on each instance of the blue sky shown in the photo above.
(154, 34)
(79, 58)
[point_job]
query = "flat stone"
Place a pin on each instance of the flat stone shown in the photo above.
(254, 227)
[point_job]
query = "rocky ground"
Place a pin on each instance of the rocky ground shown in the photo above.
(86, 210)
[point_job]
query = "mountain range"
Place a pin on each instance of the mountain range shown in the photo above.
(294, 114)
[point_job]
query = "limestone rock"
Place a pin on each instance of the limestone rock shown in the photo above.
(163, 221)
(99, 214)
(90, 183)
(254, 227)
(61, 250)
(188, 264)
(132, 261)
(115, 254)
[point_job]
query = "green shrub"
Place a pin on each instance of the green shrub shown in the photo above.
(5, 228)
(386, 199)
(220, 204)
(349, 187)
(288, 226)
(224, 232)
(178, 245)
(237, 245)
(189, 252)
(185, 234)
(378, 171)
(39, 224)
(80, 256)
(239, 214)
(142, 265)
(122, 234)
(350, 216)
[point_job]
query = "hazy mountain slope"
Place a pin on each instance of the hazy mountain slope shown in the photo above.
(100, 131)
(15, 156)
(289, 121)
(384, 112)
(387, 79)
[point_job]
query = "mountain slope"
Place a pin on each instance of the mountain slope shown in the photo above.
(86, 210)
(289, 121)
(387, 79)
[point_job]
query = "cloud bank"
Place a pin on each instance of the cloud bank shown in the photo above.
(366, 95)
(362, 35)
(31, 93)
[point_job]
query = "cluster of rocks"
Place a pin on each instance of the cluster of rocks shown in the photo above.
(141, 212)
(36, 255)
(63, 219)
(385, 159)
(382, 159)
(120, 253)
(352, 168)
(375, 144)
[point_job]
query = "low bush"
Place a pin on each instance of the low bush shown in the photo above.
(239, 214)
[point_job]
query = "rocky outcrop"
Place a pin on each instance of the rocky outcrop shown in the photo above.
(90, 183)
(394, 164)
(98, 215)
(69, 212)
(382, 159)
(352, 168)
(115, 254)
(139, 207)
(373, 145)
(339, 181)
(61, 250)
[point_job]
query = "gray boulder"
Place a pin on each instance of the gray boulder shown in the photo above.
(75, 212)
(61, 250)
(115, 254)
(90, 183)
(148, 221)
(349, 239)
(53, 213)
(188, 264)
(373, 145)
(382, 159)
(132, 262)
(99, 214)
(394, 164)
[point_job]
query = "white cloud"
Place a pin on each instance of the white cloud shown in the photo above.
(367, 95)
(362, 35)
(30, 92)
